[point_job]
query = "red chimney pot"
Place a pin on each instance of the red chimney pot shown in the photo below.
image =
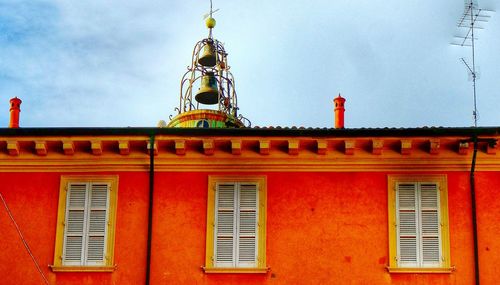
(339, 112)
(15, 109)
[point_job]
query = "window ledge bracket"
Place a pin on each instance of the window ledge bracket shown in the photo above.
(260, 270)
(106, 268)
(420, 270)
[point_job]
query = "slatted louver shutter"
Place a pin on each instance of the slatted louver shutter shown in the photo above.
(73, 249)
(247, 225)
(225, 225)
(407, 224)
(97, 221)
(429, 217)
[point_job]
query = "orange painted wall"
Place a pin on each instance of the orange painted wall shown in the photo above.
(488, 188)
(322, 228)
(33, 201)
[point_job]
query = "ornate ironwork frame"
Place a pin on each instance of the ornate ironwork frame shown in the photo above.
(227, 101)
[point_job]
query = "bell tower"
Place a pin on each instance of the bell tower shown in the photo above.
(207, 95)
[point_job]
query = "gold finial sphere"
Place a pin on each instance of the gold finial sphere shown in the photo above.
(210, 22)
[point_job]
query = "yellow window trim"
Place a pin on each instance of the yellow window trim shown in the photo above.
(261, 250)
(82, 268)
(440, 179)
(421, 270)
(236, 270)
(61, 217)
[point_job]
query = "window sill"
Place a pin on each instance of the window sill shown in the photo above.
(235, 270)
(60, 268)
(420, 270)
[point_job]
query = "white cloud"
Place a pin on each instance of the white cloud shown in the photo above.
(119, 63)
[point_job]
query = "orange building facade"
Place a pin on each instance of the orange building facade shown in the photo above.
(248, 206)
(206, 199)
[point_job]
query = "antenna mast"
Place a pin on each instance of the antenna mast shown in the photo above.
(471, 19)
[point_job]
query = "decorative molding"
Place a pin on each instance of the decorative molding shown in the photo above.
(329, 166)
(293, 147)
(96, 147)
(349, 146)
(208, 146)
(180, 147)
(322, 146)
(68, 147)
(41, 148)
(13, 148)
(377, 146)
(124, 147)
(406, 145)
(155, 147)
(264, 146)
(463, 148)
(434, 146)
(231, 152)
(236, 146)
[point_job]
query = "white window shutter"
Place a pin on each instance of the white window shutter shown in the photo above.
(225, 225)
(236, 225)
(430, 230)
(407, 224)
(247, 225)
(419, 232)
(73, 249)
(86, 220)
(97, 221)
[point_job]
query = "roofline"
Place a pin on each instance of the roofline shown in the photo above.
(272, 132)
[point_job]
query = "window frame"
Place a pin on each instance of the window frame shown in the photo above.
(213, 181)
(66, 181)
(441, 181)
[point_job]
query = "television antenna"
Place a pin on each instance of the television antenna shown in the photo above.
(472, 18)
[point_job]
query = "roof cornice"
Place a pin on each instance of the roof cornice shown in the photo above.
(268, 131)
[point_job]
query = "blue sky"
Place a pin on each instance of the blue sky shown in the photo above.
(119, 63)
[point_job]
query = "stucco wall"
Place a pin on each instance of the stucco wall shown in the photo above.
(322, 228)
(33, 200)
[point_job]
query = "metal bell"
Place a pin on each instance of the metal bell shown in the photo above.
(208, 57)
(208, 93)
